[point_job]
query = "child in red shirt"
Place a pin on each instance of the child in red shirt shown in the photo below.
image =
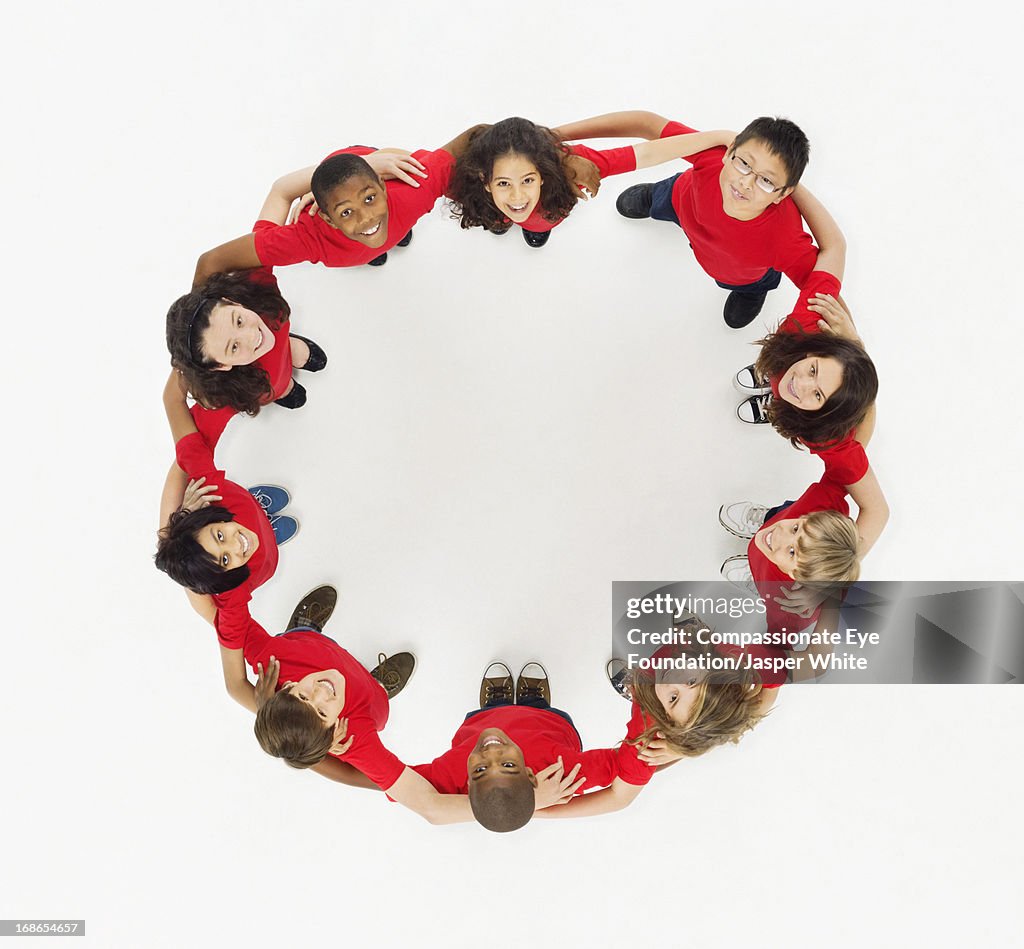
(231, 340)
(732, 203)
(359, 216)
(516, 172)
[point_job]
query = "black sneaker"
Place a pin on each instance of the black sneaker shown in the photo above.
(754, 411)
(295, 399)
(393, 672)
(496, 689)
(618, 675)
(635, 202)
(378, 261)
(536, 238)
(741, 309)
(405, 241)
(315, 608)
(317, 357)
(533, 686)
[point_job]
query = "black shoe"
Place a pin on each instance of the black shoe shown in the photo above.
(497, 689)
(741, 309)
(533, 686)
(635, 202)
(618, 676)
(317, 357)
(755, 409)
(295, 399)
(315, 608)
(394, 672)
(405, 241)
(536, 238)
(378, 261)
(502, 233)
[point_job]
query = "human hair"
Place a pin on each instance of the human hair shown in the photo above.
(727, 704)
(335, 171)
(286, 727)
(506, 806)
(183, 559)
(844, 410)
(827, 551)
(782, 138)
(243, 388)
(472, 204)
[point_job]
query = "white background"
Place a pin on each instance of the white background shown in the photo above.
(500, 433)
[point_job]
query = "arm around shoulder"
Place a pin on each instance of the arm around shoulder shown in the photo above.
(239, 254)
(633, 124)
(415, 792)
(616, 797)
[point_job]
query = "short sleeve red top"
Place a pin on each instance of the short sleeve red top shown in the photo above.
(631, 769)
(609, 161)
(313, 239)
(277, 364)
(731, 251)
(366, 703)
(846, 461)
(541, 735)
(825, 495)
(233, 620)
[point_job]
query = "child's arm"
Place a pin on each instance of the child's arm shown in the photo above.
(635, 124)
(342, 772)
(826, 233)
(615, 797)
(176, 407)
(460, 143)
(235, 679)
(679, 146)
(873, 512)
(415, 792)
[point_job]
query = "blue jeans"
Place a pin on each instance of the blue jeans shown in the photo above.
(662, 210)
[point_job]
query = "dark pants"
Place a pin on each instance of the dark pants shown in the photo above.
(772, 511)
(662, 210)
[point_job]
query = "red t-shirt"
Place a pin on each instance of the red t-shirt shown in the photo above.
(631, 769)
(233, 620)
(731, 251)
(609, 161)
(277, 364)
(541, 735)
(846, 461)
(311, 238)
(825, 495)
(366, 703)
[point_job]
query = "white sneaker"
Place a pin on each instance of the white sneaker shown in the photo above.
(736, 570)
(748, 382)
(754, 411)
(742, 518)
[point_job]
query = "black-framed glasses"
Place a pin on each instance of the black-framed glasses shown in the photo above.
(765, 184)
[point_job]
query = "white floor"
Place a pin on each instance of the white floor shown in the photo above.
(500, 433)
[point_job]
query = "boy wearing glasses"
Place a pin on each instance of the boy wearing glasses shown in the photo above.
(731, 203)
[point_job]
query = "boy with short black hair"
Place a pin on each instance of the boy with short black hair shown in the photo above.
(732, 203)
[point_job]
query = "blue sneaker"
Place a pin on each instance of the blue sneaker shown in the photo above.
(285, 528)
(271, 497)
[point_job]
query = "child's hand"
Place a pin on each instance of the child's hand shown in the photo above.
(657, 752)
(197, 495)
(340, 746)
(801, 600)
(584, 174)
(835, 316)
(266, 681)
(554, 786)
(396, 163)
(306, 201)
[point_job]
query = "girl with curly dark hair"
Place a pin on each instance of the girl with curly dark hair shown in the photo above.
(516, 172)
(230, 339)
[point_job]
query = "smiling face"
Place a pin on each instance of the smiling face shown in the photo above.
(514, 186)
(358, 208)
(495, 759)
(811, 382)
(742, 198)
(235, 337)
(230, 544)
(322, 691)
(679, 697)
(778, 542)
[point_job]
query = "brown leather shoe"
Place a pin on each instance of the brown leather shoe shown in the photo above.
(315, 608)
(394, 672)
(533, 686)
(496, 688)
